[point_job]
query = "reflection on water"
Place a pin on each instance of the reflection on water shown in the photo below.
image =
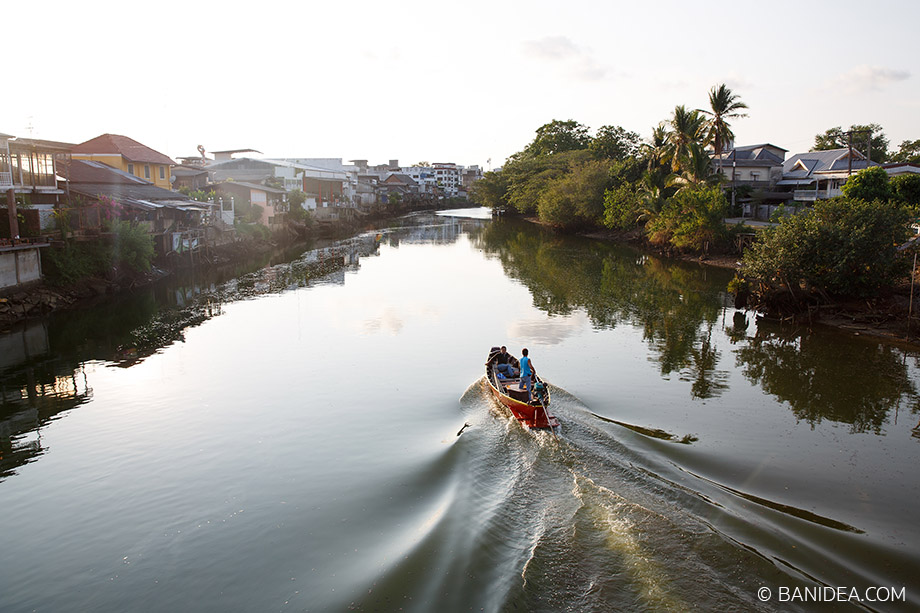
(678, 306)
(805, 372)
(289, 437)
(675, 304)
(36, 386)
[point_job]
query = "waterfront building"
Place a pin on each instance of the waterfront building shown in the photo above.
(128, 155)
(820, 175)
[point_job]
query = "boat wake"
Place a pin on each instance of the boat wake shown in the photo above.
(602, 516)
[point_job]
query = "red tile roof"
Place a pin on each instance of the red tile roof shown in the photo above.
(128, 148)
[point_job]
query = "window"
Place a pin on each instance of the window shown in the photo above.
(146, 171)
(162, 172)
(755, 176)
(130, 169)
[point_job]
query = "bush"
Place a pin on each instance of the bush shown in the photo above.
(75, 261)
(623, 208)
(844, 247)
(869, 184)
(906, 188)
(576, 199)
(132, 246)
(693, 219)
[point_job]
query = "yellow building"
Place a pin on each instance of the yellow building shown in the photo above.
(128, 155)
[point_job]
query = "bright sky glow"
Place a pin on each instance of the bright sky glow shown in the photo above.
(464, 81)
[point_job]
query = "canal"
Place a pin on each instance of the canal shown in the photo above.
(285, 438)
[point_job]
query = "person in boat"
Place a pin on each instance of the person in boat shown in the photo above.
(504, 362)
(527, 372)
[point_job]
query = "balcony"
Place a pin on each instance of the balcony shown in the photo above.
(810, 195)
(6, 180)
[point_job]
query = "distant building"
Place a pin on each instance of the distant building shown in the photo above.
(28, 173)
(166, 215)
(270, 200)
(819, 175)
(758, 166)
(447, 176)
(128, 155)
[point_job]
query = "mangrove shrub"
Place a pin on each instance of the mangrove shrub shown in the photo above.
(844, 247)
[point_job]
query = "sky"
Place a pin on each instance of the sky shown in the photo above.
(466, 82)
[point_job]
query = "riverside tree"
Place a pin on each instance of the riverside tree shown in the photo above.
(836, 138)
(843, 248)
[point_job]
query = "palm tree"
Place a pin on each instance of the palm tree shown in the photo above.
(686, 127)
(725, 105)
(697, 169)
(656, 149)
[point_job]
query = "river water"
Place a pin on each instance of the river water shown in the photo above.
(286, 439)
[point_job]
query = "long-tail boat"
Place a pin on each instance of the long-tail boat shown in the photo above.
(533, 411)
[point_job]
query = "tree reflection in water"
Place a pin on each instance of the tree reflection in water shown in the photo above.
(829, 376)
(676, 304)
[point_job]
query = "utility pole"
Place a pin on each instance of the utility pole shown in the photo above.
(850, 134)
(849, 153)
(733, 185)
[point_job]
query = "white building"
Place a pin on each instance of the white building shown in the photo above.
(447, 175)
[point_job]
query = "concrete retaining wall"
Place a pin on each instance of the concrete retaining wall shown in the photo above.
(19, 266)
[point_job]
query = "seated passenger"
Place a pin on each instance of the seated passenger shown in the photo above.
(504, 362)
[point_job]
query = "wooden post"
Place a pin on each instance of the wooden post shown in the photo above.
(910, 308)
(11, 210)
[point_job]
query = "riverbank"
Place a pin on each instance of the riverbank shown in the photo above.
(41, 298)
(889, 317)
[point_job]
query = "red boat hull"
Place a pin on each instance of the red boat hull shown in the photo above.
(530, 415)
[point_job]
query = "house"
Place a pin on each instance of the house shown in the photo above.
(901, 168)
(324, 187)
(128, 155)
(28, 176)
(270, 200)
(757, 166)
(447, 177)
(190, 176)
(170, 217)
(819, 175)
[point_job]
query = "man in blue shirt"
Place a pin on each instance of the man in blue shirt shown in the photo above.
(527, 370)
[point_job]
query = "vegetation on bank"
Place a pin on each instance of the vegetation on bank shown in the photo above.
(665, 186)
(669, 190)
(124, 247)
(843, 248)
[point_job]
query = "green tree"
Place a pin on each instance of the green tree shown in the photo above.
(132, 246)
(655, 150)
(909, 152)
(692, 219)
(558, 136)
(869, 184)
(614, 143)
(724, 104)
(686, 127)
(491, 190)
(529, 175)
(843, 247)
(576, 199)
(836, 138)
(906, 188)
(697, 168)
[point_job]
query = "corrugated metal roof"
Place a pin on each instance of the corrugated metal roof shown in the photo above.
(88, 171)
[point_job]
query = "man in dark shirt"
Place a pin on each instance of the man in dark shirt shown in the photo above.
(504, 362)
